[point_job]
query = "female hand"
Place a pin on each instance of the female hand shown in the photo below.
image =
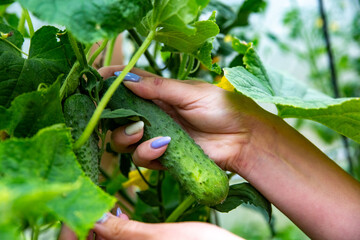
(221, 122)
(119, 228)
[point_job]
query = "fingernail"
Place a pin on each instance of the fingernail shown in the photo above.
(103, 218)
(118, 212)
(129, 76)
(134, 128)
(158, 143)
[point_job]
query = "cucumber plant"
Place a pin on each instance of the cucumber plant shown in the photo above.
(55, 111)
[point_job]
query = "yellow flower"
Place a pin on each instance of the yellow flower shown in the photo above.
(225, 84)
(135, 179)
(228, 38)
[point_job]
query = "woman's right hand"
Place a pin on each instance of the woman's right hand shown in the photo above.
(223, 123)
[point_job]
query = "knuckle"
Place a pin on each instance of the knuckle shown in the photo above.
(158, 81)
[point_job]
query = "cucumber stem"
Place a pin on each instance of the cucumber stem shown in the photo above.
(111, 90)
(181, 209)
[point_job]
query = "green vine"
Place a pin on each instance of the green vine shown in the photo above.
(181, 209)
(106, 98)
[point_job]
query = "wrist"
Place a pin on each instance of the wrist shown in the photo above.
(265, 138)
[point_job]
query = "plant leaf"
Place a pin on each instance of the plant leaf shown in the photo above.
(294, 99)
(244, 193)
(199, 44)
(47, 158)
(172, 14)
(90, 20)
(80, 209)
(122, 113)
(31, 112)
(50, 55)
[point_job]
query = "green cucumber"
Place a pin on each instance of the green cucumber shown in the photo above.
(78, 109)
(184, 159)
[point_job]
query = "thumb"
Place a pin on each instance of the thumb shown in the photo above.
(170, 91)
(118, 228)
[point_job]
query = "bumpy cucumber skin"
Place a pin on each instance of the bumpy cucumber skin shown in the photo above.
(78, 110)
(184, 159)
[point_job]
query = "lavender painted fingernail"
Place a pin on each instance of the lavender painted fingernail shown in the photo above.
(118, 212)
(132, 77)
(103, 218)
(160, 142)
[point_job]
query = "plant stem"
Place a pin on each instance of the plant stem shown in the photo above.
(109, 52)
(143, 177)
(148, 56)
(189, 67)
(78, 53)
(182, 66)
(106, 98)
(334, 79)
(14, 46)
(98, 51)
(21, 25)
(181, 209)
(29, 22)
(35, 233)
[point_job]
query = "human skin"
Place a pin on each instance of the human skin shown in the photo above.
(294, 175)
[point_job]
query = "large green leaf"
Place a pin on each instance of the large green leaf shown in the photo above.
(32, 111)
(90, 20)
(50, 55)
(198, 44)
(47, 159)
(244, 193)
(172, 14)
(293, 99)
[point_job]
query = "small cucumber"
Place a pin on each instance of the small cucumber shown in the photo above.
(78, 109)
(184, 159)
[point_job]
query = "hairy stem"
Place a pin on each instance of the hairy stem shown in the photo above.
(180, 209)
(97, 52)
(109, 52)
(106, 98)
